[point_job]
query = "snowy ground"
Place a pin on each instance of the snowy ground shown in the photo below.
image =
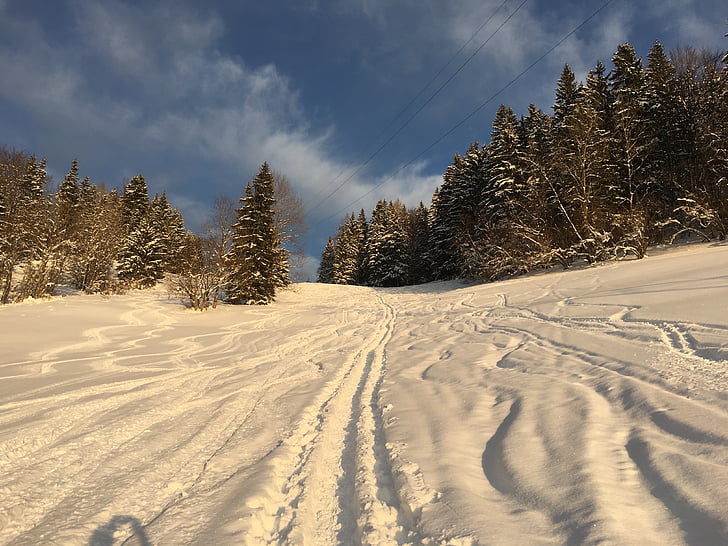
(588, 406)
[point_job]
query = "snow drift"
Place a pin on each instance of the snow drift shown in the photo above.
(571, 407)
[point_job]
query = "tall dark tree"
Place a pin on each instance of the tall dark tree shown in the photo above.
(452, 217)
(326, 266)
(386, 261)
(141, 263)
(141, 260)
(668, 123)
(259, 262)
(170, 227)
(567, 91)
(135, 202)
(633, 135)
(585, 175)
(349, 250)
(420, 270)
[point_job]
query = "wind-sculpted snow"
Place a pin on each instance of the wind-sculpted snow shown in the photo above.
(578, 407)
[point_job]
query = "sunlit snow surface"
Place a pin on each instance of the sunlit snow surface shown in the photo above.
(574, 407)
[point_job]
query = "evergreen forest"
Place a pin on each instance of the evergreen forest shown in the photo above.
(105, 241)
(634, 156)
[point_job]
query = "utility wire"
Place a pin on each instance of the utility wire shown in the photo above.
(442, 69)
(471, 114)
(422, 107)
(422, 90)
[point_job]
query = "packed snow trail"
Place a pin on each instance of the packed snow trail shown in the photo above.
(572, 407)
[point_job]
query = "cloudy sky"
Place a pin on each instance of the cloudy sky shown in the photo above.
(197, 95)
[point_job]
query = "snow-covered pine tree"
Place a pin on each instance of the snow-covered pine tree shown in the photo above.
(259, 263)
(171, 229)
(453, 216)
(633, 135)
(386, 262)
(56, 240)
(586, 176)
(419, 242)
(443, 221)
(536, 227)
(134, 202)
(504, 202)
(142, 259)
(567, 91)
(101, 235)
(666, 117)
(24, 216)
(348, 251)
(68, 202)
(141, 263)
(326, 266)
(597, 87)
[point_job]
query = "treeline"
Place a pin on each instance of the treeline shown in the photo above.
(82, 234)
(630, 158)
(103, 241)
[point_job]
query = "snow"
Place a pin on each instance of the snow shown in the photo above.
(582, 406)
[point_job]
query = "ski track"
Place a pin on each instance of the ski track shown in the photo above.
(543, 410)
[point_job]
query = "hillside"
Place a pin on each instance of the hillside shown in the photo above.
(573, 407)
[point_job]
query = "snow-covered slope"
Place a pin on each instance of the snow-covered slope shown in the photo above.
(571, 407)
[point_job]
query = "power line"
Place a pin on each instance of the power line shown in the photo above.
(420, 92)
(442, 69)
(472, 113)
(422, 107)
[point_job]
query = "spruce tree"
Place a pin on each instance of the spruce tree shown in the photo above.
(134, 202)
(453, 216)
(386, 260)
(673, 139)
(633, 134)
(326, 266)
(101, 236)
(170, 228)
(141, 262)
(586, 176)
(68, 201)
(25, 218)
(567, 91)
(349, 250)
(420, 271)
(259, 263)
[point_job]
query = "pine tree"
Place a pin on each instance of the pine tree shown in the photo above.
(506, 188)
(326, 266)
(69, 192)
(259, 263)
(633, 135)
(141, 263)
(419, 242)
(68, 201)
(134, 202)
(673, 139)
(536, 228)
(567, 91)
(24, 216)
(453, 216)
(170, 228)
(101, 236)
(586, 175)
(386, 261)
(349, 250)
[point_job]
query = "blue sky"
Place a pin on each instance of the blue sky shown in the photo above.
(197, 95)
